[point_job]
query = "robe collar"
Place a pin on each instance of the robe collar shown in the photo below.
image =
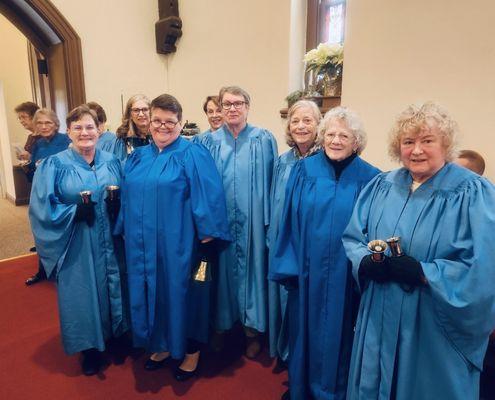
(79, 159)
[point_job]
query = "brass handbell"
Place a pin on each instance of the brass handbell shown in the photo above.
(377, 248)
(86, 196)
(113, 192)
(394, 244)
(202, 272)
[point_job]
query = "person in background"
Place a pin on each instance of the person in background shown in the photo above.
(25, 113)
(244, 156)
(74, 240)
(300, 134)
(309, 258)
(106, 140)
(472, 160)
(50, 142)
(134, 130)
(427, 306)
(173, 211)
(213, 112)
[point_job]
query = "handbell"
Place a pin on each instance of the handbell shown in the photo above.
(85, 196)
(395, 248)
(113, 192)
(377, 248)
(202, 272)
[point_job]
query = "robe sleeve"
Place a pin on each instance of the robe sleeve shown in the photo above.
(207, 194)
(51, 220)
(273, 227)
(128, 166)
(355, 237)
(270, 153)
(285, 253)
(462, 281)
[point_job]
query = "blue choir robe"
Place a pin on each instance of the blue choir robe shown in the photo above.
(91, 295)
(277, 293)
(171, 200)
(309, 247)
(43, 147)
(246, 167)
(428, 344)
(107, 142)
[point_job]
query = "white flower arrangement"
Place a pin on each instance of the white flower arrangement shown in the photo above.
(326, 58)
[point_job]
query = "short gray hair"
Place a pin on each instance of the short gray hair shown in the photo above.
(351, 119)
(296, 106)
(416, 118)
(50, 114)
(235, 90)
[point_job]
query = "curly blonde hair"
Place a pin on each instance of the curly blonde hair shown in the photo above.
(127, 127)
(417, 118)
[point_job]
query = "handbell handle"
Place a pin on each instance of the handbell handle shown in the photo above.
(395, 247)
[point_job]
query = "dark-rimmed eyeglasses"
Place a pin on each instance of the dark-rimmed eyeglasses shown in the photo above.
(237, 105)
(143, 110)
(156, 123)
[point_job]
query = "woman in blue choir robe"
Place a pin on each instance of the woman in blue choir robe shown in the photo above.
(75, 243)
(244, 155)
(134, 131)
(303, 118)
(172, 200)
(425, 316)
(49, 142)
(309, 258)
(107, 141)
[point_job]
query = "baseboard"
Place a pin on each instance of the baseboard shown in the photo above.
(22, 258)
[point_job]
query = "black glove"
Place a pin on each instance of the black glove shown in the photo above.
(291, 283)
(113, 208)
(208, 251)
(86, 213)
(406, 270)
(375, 271)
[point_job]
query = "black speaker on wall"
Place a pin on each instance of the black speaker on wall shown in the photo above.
(169, 27)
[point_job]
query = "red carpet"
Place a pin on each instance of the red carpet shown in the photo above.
(34, 366)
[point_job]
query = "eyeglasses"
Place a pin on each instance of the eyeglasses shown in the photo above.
(156, 123)
(343, 137)
(80, 128)
(237, 105)
(43, 123)
(143, 110)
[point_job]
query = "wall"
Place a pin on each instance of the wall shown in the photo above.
(224, 42)
(14, 73)
(397, 53)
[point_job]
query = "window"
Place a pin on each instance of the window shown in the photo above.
(326, 22)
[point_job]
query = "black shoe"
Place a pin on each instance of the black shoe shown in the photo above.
(152, 365)
(32, 249)
(91, 362)
(286, 395)
(181, 375)
(35, 279)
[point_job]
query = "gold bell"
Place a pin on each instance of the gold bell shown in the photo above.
(202, 272)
